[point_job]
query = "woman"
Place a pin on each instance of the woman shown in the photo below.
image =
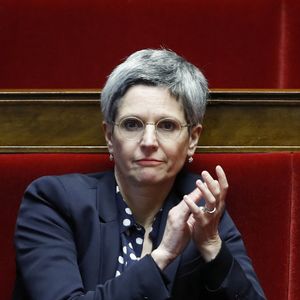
(148, 229)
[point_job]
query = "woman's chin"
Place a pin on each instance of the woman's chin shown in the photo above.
(149, 178)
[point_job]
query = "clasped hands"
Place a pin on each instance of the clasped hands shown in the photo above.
(188, 221)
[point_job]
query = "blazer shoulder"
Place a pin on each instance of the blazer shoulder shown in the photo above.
(65, 190)
(73, 180)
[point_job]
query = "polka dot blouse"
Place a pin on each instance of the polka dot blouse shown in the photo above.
(132, 235)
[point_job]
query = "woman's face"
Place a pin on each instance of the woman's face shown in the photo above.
(150, 159)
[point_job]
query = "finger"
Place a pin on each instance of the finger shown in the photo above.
(181, 209)
(212, 184)
(194, 208)
(196, 194)
(210, 199)
(222, 178)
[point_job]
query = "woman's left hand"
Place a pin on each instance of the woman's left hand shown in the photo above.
(204, 220)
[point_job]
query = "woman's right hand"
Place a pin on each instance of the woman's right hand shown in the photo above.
(177, 233)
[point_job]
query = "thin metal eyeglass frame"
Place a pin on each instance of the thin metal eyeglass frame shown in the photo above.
(140, 134)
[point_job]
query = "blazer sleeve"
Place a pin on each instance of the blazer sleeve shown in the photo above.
(47, 259)
(229, 276)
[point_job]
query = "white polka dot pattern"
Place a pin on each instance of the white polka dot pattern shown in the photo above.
(132, 256)
(126, 222)
(132, 235)
(139, 241)
(128, 211)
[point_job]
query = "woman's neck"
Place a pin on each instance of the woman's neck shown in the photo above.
(143, 200)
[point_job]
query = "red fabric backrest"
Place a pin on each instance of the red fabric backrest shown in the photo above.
(259, 200)
(63, 44)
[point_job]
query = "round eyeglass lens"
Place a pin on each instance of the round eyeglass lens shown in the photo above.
(131, 128)
(168, 128)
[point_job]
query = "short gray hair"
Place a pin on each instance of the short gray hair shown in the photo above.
(163, 68)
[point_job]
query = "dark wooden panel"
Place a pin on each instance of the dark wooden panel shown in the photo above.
(70, 121)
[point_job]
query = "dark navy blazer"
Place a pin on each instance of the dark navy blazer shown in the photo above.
(67, 244)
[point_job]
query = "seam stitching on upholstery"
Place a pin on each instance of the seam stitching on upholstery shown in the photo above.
(282, 53)
(290, 257)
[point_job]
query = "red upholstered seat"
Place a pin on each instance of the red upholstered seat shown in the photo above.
(294, 289)
(16, 172)
(264, 201)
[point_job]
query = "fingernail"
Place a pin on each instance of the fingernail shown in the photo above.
(204, 173)
(200, 183)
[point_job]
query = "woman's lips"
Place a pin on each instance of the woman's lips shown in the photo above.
(148, 162)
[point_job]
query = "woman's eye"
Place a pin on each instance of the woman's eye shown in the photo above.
(167, 125)
(132, 124)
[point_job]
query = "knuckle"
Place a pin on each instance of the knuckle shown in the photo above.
(226, 186)
(217, 192)
(213, 201)
(172, 216)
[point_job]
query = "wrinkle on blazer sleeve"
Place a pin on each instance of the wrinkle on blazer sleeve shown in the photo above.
(47, 257)
(229, 276)
(240, 281)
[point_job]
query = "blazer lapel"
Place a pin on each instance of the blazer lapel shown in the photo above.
(109, 227)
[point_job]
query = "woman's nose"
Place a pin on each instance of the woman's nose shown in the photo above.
(149, 137)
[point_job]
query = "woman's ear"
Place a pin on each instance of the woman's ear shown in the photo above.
(108, 132)
(194, 138)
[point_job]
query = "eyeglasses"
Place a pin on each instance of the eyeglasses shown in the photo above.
(133, 128)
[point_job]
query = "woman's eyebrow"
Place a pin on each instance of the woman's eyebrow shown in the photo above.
(159, 117)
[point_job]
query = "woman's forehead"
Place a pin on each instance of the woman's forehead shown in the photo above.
(149, 100)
